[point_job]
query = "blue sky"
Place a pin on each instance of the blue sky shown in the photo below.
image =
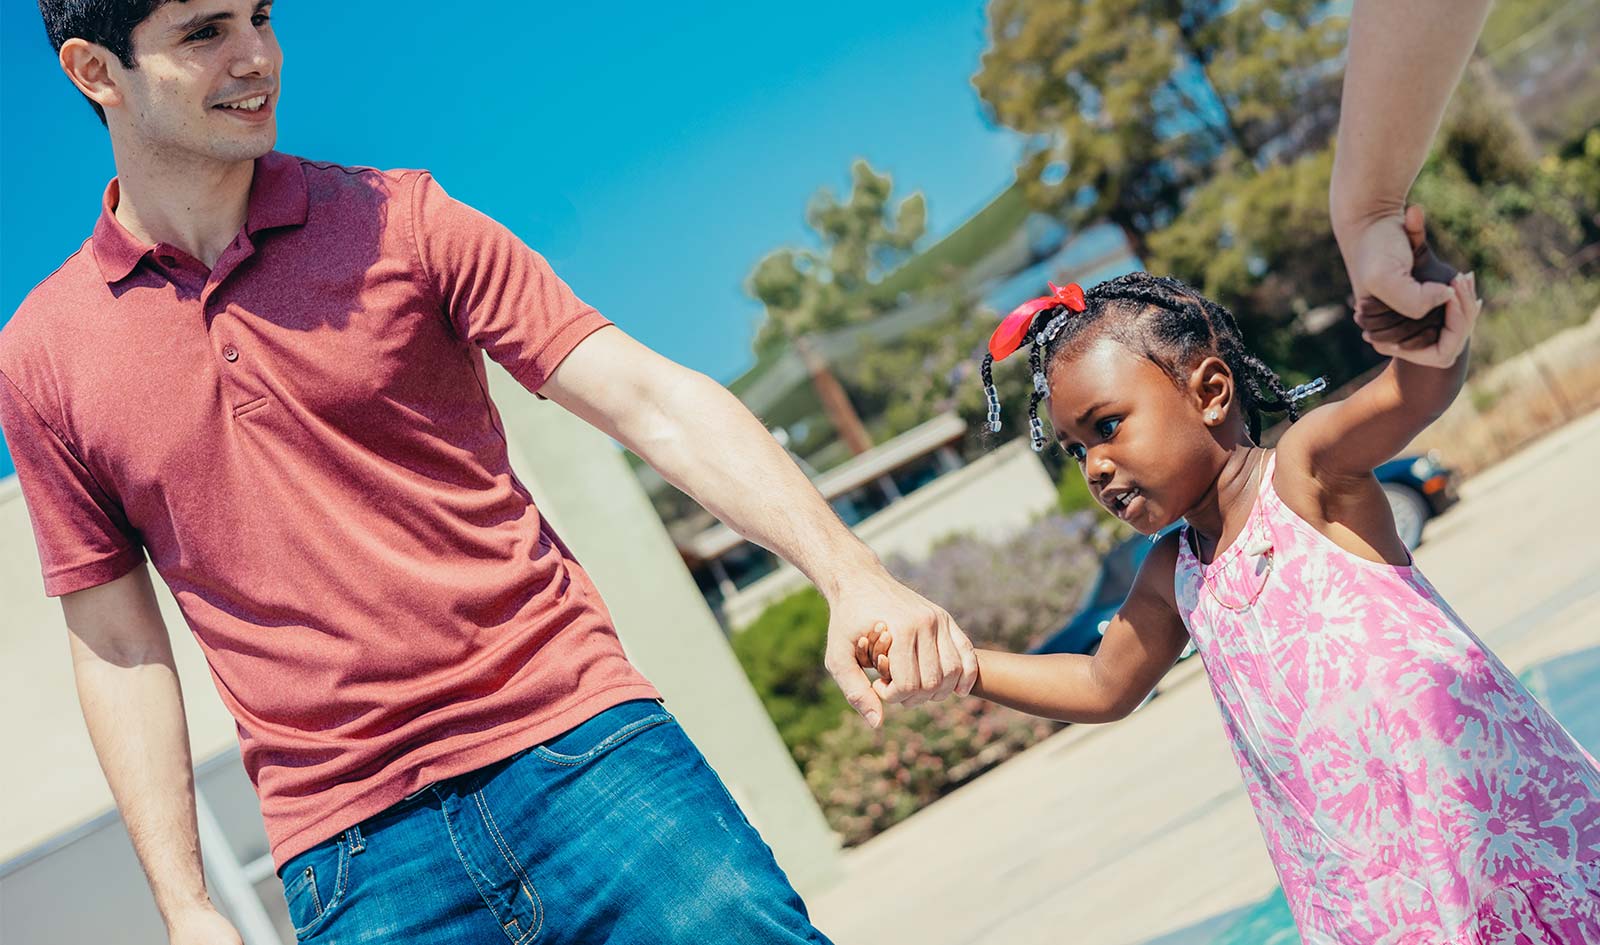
(653, 152)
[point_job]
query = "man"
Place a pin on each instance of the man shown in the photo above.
(266, 373)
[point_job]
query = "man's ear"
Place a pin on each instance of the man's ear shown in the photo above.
(89, 66)
(1211, 390)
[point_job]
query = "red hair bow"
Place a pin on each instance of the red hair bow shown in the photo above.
(1014, 327)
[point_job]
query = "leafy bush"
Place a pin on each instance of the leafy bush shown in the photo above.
(1012, 594)
(866, 781)
(1005, 595)
(782, 654)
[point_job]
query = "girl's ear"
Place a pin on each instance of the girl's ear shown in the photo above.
(1211, 390)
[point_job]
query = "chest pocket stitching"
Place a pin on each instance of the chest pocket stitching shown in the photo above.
(251, 406)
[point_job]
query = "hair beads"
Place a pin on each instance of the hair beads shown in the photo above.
(1162, 318)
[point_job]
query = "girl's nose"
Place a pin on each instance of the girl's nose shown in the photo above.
(1101, 469)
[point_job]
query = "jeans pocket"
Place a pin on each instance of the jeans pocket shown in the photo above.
(602, 733)
(314, 884)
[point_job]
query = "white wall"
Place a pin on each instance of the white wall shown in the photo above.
(53, 782)
(992, 498)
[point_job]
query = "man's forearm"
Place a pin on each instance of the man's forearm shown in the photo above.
(134, 710)
(1405, 59)
(703, 440)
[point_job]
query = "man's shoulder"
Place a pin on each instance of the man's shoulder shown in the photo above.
(327, 180)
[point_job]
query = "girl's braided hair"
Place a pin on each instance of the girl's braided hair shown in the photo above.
(1168, 322)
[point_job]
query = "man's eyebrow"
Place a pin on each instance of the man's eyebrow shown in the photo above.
(201, 20)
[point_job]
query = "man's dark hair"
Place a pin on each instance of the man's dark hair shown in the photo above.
(107, 23)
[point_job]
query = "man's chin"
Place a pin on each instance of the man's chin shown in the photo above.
(247, 147)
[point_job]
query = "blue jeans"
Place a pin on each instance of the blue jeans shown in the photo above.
(616, 831)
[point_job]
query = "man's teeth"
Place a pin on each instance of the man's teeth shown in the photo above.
(248, 105)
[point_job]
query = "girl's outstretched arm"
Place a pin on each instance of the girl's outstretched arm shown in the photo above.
(1348, 439)
(1140, 645)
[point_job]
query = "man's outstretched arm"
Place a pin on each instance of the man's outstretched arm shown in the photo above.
(128, 688)
(700, 438)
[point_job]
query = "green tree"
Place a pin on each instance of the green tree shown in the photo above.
(1130, 104)
(861, 238)
(934, 369)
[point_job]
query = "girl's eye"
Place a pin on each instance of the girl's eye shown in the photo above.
(1108, 428)
(1076, 451)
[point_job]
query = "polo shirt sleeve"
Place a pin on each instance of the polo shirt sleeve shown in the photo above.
(498, 293)
(83, 536)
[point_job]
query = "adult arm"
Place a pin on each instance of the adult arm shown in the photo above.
(1404, 62)
(128, 689)
(701, 439)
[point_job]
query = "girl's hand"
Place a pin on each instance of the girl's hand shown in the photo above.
(872, 652)
(1461, 310)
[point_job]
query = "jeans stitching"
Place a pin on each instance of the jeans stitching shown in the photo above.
(510, 857)
(341, 877)
(455, 842)
(638, 725)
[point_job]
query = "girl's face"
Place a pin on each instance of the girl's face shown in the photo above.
(1143, 442)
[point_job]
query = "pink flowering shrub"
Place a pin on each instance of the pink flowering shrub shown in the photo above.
(867, 781)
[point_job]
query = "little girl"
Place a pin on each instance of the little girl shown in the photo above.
(1409, 788)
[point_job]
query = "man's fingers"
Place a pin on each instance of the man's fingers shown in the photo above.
(949, 659)
(1416, 227)
(903, 665)
(858, 690)
(929, 657)
(969, 659)
(1402, 292)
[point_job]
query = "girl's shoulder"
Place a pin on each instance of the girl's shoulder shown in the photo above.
(1351, 511)
(1160, 568)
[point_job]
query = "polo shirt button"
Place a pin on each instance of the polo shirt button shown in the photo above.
(230, 352)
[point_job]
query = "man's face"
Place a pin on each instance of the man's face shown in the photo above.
(207, 79)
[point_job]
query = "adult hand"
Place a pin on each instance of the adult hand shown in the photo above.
(202, 925)
(931, 657)
(1382, 254)
(1437, 337)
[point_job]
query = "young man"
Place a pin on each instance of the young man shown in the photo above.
(265, 373)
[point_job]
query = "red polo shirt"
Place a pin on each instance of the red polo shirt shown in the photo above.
(301, 438)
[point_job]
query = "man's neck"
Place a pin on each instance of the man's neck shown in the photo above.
(196, 206)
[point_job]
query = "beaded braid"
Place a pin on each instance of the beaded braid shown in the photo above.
(1185, 319)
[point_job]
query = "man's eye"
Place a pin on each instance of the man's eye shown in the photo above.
(260, 19)
(204, 33)
(1107, 428)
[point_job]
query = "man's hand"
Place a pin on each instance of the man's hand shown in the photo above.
(930, 656)
(1437, 338)
(1381, 255)
(202, 925)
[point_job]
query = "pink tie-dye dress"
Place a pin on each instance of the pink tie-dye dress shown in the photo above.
(1411, 791)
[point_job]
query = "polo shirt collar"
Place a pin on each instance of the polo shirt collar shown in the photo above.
(277, 198)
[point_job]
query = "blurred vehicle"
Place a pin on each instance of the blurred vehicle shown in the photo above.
(1417, 487)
